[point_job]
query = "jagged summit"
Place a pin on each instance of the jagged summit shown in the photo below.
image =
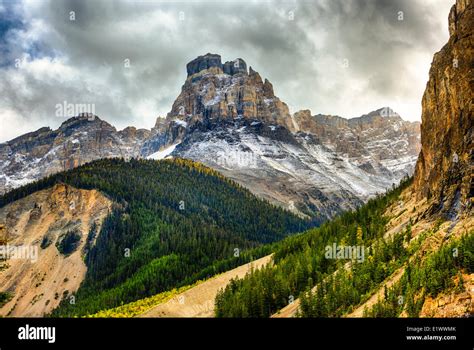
(78, 140)
(381, 118)
(82, 118)
(210, 61)
(385, 112)
(214, 91)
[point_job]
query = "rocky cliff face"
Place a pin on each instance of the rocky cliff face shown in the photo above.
(227, 91)
(444, 171)
(381, 136)
(42, 274)
(318, 172)
(77, 141)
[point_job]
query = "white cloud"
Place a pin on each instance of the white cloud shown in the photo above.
(14, 124)
(82, 61)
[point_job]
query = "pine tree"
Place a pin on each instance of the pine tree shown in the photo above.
(359, 235)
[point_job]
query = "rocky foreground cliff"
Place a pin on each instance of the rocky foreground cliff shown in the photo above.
(444, 171)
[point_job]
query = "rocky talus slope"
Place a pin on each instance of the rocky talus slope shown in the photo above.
(52, 229)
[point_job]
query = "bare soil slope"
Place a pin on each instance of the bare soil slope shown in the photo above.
(40, 222)
(199, 301)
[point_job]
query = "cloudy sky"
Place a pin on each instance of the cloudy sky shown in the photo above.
(343, 57)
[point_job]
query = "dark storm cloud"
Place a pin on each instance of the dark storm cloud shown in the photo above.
(10, 22)
(379, 37)
(335, 56)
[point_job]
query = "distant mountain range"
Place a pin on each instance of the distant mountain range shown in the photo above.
(228, 118)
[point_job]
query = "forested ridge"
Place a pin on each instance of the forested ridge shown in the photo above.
(300, 261)
(443, 270)
(337, 294)
(339, 285)
(175, 222)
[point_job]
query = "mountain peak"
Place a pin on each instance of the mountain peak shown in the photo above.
(214, 91)
(384, 112)
(80, 118)
(86, 120)
(212, 61)
(203, 62)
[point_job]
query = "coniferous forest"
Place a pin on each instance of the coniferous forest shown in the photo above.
(174, 222)
(333, 287)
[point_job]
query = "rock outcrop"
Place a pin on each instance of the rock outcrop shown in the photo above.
(36, 273)
(204, 63)
(209, 61)
(444, 171)
(77, 141)
(453, 303)
(215, 91)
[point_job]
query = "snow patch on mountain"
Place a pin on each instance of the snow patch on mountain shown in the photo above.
(163, 153)
(181, 123)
